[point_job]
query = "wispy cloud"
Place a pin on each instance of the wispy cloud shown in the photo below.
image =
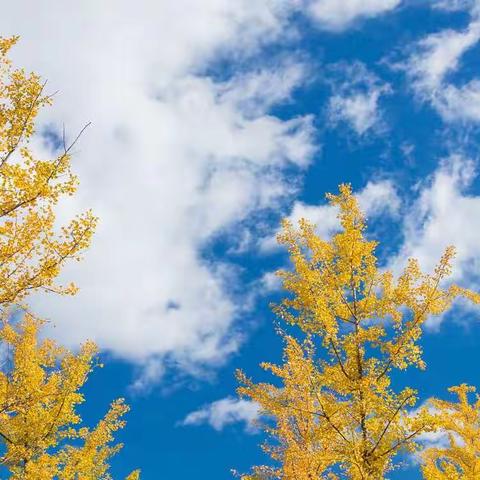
(338, 15)
(174, 158)
(454, 5)
(438, 55)
(444, 214)
(355, 100)
(226, 411)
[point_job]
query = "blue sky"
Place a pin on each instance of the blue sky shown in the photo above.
(213, 120)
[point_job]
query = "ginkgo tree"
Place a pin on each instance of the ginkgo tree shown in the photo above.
(41, 431)
(39, 424)
(333, 412)
(459, 422)
(32, 249)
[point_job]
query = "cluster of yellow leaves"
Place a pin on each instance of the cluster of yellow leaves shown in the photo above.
(40, 430)
(461, 422)
(39, 394)
(31, 250)
(335, 413)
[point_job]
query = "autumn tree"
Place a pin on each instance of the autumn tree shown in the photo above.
(460, 422)
(42, 433)
(32, 249)
(333, 412)
(41, 429)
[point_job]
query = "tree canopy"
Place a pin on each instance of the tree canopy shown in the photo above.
(333, 410)
(42, 432)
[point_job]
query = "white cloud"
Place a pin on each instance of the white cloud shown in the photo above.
(270, 282)
(356, 98)
(247, 92)
(225, 412)
(437, 56)
(454, 5)
(338, 15)
(375, 199)
(460, 103)
(445, 214)
(152, 370)
(379, 198)
(360, 110)
(173, 158)
(438, 439)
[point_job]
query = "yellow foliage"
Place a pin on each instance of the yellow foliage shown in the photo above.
(461, 422)
(32, 249)
(40, 382)
(335, 414)
(40, 386)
